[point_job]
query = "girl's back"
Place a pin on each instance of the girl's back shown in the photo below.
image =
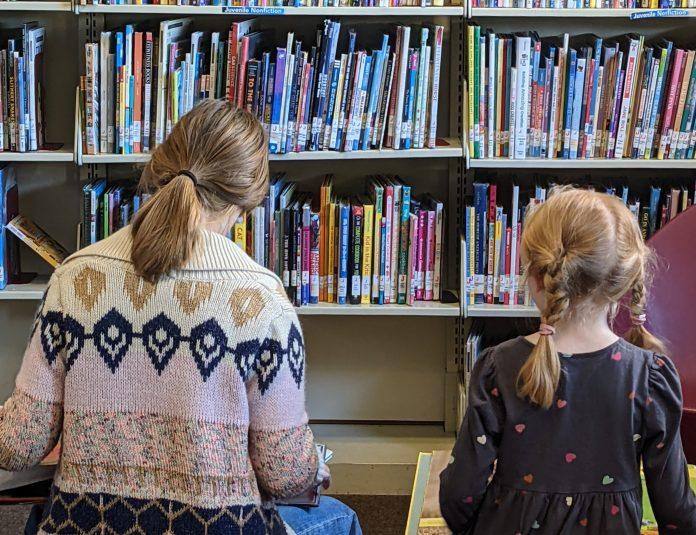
(572, 468)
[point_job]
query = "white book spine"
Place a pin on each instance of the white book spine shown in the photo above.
(437, 58)
(577, 107)
(513, 244)
(626, 99)
(522, 84)
(401, 87)
(593, 136)
(103, 87)
(648, 107)
(428, 79)
(553, 128)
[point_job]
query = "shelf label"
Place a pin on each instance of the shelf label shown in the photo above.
(250, 10)
(659, 13)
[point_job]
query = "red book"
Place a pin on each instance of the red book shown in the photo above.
(676, 68)
(232, 45)
(518, 269)
(241, 70)
(491, 243)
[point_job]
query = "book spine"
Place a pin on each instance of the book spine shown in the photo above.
(403, 244)
(437, 258)
(412, 258)
(429, 256)
(314, 259)
(490, 263)
(306, 252)
(523, 88)
(435, 95)
(344, 245)
(577, 108)
(382, 256)
(377, 255)
(395, 243)
(355, 254)
(421, 265)
(277, 100)
(367, 259)
(388, 215)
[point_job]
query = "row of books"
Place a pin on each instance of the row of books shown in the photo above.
(139, 81)
(384, 247)
(22, 123)
(579, 97)
(587, 4)
(493, 235)
(273, 3)
(9, 208)
(106, 208)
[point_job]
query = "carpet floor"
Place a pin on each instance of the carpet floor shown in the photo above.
(379, 515)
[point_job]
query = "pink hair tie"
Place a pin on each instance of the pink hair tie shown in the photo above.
(638, 320)
(546, 330)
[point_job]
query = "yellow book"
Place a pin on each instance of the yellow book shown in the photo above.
(324, 237)
(496, 257)
(330, 286)
(240, 232)
(38, 240)
(366, 274)
(470, 81)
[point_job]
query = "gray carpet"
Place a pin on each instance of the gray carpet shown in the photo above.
(13, 518)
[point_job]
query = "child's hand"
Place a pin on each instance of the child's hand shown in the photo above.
(323, 472)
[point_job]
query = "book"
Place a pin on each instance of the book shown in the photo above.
(37, 240)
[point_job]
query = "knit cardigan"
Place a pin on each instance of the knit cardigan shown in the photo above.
(180, 404)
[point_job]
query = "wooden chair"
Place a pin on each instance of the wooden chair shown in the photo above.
(671, 311)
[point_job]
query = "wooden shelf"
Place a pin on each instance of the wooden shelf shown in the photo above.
(452, 149)
(35, 5)
(491, 12)
(502, 311)
(62, 155)
(534, 163)
(448, 11)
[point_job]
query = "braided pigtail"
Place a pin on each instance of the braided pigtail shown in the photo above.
(638, 334)
(539, 376)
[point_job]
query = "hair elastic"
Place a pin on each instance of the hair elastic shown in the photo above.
(546, 330)
(186, 172)
(638, 320)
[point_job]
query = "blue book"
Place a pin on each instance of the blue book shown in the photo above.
(572, 67)
(480, 249)
(343, 246)
(274, 143)
(655, 192)
(624, 194)
(381, 56)
(326, 62)
(364, 83)
(593, 92)
(577, 107)
(382, 257)
(7, 183)
(344, 95)
(96, 192)
(407, 121)
(469, 277)
(335, 74)
(661, 85)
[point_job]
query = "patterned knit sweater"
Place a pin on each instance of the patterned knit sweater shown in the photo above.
(180, 404)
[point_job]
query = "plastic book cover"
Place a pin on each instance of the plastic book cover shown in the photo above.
(38, 240)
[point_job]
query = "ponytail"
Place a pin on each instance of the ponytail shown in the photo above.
(165, 230)
(539, 376)
(638, 335)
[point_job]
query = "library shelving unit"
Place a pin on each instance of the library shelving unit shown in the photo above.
(365, 362)
(637, 174)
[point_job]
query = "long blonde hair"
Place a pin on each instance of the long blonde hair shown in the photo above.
(223, 153)
(586, 250)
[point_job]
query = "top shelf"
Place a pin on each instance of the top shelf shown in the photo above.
(35, 5)
(649, 14)
(449, 11)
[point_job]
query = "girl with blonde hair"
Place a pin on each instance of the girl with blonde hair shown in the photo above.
(568, 414)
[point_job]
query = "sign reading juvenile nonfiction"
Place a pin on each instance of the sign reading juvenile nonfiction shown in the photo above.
(659, 13)
(250, 10)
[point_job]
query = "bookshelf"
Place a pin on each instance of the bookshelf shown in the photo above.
(570, 13)
(364, 361)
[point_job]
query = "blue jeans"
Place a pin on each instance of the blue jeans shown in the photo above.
(331, 518)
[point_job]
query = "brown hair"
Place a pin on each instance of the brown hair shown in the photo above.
(224, 150)
(587, 251)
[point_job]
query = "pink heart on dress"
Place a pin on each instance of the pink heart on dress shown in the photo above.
(469, 499)
(561, 403)
(614, 510)
(616, 356)
(495, 392)
(660, 445)
(520, 428)
(631, 395)
(570, 457)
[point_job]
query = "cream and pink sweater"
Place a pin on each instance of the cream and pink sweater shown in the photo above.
(180, 404)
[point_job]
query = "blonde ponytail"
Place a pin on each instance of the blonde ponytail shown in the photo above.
(637, 334)
(539, 376)
(215, 159)
(166, 230)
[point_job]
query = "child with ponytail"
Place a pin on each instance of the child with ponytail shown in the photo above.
(566, 415)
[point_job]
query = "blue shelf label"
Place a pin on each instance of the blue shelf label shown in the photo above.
(249, 10)
(659, 13)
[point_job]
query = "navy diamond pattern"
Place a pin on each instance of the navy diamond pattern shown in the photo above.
(208, 345)
(113, 335)
(72, 513)
(161, 338)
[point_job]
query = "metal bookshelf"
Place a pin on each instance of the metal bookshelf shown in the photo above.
(501, 311)
(35, 5)
(61, 155)
(488, 12)
(441, 11)
(503, 163)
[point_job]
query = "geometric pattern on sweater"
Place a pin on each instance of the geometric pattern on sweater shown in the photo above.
(113, 335)
(98, 513)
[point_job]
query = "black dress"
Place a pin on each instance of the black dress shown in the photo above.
(574, 468)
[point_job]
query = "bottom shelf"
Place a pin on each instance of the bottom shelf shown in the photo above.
(32, 291)
(376, 458)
